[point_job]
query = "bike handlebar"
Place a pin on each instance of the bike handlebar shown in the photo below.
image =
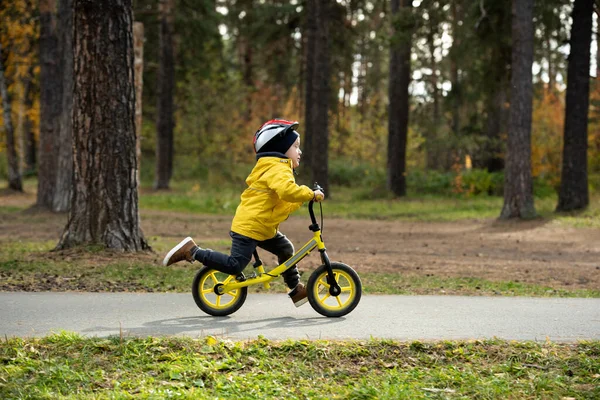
(311, 212)
(311, 203)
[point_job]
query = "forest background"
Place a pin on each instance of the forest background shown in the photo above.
(231, 65)
(213, 72)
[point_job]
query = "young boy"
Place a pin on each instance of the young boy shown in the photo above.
(272, 195)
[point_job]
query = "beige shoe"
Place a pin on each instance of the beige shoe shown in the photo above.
(298, 295)
(183, 251)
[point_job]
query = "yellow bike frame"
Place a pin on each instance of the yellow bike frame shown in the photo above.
(265, 277)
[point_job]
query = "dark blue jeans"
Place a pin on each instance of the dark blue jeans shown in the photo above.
(242, 248)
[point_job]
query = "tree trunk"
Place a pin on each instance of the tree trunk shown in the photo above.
(25, 125)
(551, 64)
(50, 104)
(454, 75)
(29, 145)
(247, 53)
(14, 176)
(166, 86)
(309, 106)
(573, 193)
(320, 88)
(61, 201)
(598, 43)
(138, 50)
(518, 184)
(434, 155)
(398, 97)
(104, 206)
(496, 117)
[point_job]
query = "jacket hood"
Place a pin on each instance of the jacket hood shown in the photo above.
(264, 163)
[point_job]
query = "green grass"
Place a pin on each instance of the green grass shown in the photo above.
(26, 263)
(432, 285)
(350, 203)
(197, 197)
(69, 366)
(108, 272)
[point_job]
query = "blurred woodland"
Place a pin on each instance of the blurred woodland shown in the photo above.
(215, 70)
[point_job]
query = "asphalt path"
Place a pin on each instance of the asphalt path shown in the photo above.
(274, 317)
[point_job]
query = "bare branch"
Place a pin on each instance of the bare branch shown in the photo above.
(483, 14)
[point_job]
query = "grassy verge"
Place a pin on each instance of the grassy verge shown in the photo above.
(110, 272)
(348, 203)
(202, 198)
(28, 265)
(70, 366)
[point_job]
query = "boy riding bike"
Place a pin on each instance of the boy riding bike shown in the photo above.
(272, 195)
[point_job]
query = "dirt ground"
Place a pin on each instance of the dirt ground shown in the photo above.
(540, 252)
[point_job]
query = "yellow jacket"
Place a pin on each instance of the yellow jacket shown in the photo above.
(272, 195)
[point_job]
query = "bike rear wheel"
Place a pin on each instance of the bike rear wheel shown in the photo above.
(206, 297)
(334, 306)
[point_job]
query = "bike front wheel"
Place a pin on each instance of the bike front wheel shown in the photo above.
(206, 297)
(320, 297)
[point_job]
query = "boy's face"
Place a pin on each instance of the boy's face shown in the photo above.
(294, 153)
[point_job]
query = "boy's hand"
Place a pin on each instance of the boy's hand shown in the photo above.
(319, 196)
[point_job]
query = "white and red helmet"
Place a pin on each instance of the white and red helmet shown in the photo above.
(273, 131)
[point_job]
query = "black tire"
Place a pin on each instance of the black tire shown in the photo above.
(206, 298)
(334, 306)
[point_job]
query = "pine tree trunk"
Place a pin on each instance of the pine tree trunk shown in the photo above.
(23, 121)
(166, 86)
(320, 88)
(597, 10)
(29, 148)
(518, 183)
(399, 100)
(50, 104)
(64, 152)
(14, 177)
(496, 117)
(574, 192)
(104, 206)
(247, 53)
(495, 29)
(434, 155)
(454, 76)
(309, 106)
(138, 49)
(551, 64)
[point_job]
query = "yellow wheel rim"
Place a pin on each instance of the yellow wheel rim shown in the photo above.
(344, 299)
(206, 289)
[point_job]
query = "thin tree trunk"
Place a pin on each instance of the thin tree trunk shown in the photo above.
(321, 85)
(574, 192)
(166, 87)
(104, 207)
(597, 9)
(454, 76)
(550, 57)
(50, 104)
(29, 150)
(518, 183)
(399, 100)
(64, 175)
(138, 49)
(309, 110)
(14, 177)
(21, 116)
(247, 50)
(494, 157)
(434, 161)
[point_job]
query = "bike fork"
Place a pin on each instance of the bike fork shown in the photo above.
(334, 288)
